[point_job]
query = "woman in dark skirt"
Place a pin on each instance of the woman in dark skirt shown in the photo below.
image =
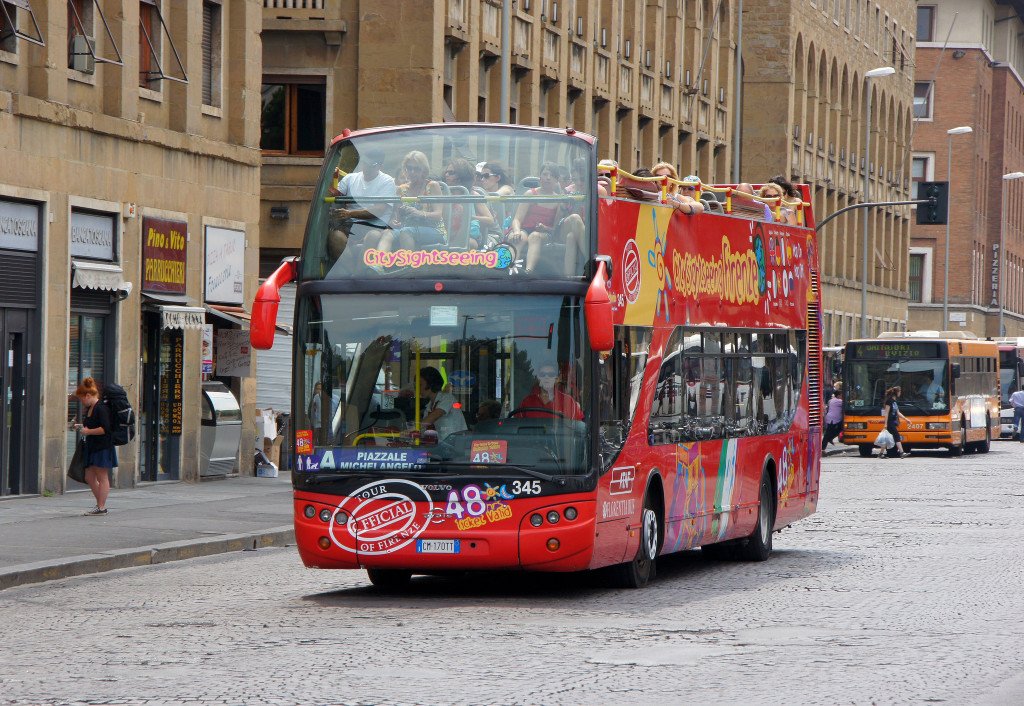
(892, 416)
(100, 456)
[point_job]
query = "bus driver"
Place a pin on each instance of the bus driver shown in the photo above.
(545, 395)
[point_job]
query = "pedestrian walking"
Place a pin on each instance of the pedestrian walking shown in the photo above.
(892, 416)
(100, 457)
(833, 416)
(1017, 400)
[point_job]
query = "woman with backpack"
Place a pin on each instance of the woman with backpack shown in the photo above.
(100, 457)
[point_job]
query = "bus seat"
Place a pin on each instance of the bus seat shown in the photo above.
(530, 182)
(712, 205)
(458, 238)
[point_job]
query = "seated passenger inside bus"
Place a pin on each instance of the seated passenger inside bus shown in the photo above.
(460, 173)
(416, 226)
(534, 223)
(441, 411)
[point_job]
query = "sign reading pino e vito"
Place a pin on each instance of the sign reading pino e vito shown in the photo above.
(164, 250)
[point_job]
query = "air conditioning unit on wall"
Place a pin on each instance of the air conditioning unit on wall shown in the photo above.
(81, 54)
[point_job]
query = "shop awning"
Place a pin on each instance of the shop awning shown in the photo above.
(175, 310)
(238, 316)
(99, 275)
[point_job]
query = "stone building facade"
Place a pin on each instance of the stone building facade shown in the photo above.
(975, 82)
(653, 79)
(129, 178)
(805, 105)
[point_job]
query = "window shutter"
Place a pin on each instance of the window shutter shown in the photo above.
(208, 17)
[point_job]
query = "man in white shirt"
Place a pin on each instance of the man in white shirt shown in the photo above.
(931, 391)
(442, 410)
(361, 223)
(1017, 400)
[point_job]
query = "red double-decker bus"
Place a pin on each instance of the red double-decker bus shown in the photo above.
(561, 374)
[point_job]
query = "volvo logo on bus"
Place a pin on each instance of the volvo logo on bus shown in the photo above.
(382, 517)
(631, 271)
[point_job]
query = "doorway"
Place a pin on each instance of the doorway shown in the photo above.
(161, 409)
(16, 448)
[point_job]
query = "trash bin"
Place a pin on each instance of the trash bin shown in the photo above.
(221, 430)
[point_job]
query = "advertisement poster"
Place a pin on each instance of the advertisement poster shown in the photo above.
(225, 265)
(164, 253)
(234, 354)
(207, 349)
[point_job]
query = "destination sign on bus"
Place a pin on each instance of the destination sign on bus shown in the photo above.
(895, 350)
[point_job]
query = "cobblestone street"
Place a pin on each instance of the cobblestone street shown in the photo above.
(906, 587)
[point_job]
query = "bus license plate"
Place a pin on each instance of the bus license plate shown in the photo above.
(437, 546)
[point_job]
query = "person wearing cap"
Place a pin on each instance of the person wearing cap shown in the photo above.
(352, 221)
(681, 198)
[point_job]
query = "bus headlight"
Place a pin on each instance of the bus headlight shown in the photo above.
(325, 515)
(309, 511)
(937, 425)
(856, 425)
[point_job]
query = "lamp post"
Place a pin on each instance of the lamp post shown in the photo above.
(1007, 178)
(873, 73)
(962, 130)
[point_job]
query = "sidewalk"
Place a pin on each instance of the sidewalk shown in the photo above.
(836, 448)
(42, 538)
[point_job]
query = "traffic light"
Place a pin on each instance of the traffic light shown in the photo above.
(937, 212)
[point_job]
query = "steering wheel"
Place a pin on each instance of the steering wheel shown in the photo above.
(545, 410)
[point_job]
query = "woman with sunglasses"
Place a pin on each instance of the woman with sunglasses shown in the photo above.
(420, 225)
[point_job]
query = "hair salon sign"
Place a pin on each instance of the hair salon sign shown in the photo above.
(164, 253)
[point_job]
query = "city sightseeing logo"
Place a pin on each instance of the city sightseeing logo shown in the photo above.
(501, 258)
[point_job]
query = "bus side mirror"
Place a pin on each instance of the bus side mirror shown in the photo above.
(597, 308)
(264, 307)
(956, 370)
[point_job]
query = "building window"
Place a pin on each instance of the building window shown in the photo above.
(923, 100)
(922, 168)
(8, 26)
(294, 115)
(211, 53)
(916, 285)
(149, 44)
(925, 23)
(80, 24)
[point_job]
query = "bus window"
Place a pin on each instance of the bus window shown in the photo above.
(620, 377)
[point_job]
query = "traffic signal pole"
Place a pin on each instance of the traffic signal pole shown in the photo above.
(866, 204)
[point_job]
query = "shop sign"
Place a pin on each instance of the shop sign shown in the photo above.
(19, 226)
(171, 405)
(164, 251)
(225, 265)
(92, 236)
(234, 354)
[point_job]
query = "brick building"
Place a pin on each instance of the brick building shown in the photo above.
(976, 82)
(129, 174)
(807, 60)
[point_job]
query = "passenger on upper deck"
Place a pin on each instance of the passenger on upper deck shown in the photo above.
(744, 190)
(681, 200)
(356, 222)
(534, 222)
(459, 172)
(546, 396)
(492, 178)
(421, 225)
(573, 227)
(772, 190)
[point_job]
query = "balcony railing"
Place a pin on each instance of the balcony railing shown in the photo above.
(293, 4)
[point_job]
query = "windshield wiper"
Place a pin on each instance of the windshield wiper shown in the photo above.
(916, 406)
(524, 469)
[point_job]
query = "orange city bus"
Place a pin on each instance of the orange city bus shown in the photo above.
(950, 390)
(645, 382)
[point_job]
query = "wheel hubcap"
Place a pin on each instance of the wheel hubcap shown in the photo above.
(650, 534)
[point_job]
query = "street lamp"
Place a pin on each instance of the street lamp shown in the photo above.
(873, 73)
(1007, 178)
(962, 130)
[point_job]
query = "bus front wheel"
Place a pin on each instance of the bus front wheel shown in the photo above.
(958, 449)
(389, 579)
(985, 446)
(866, 450)
(639, 572)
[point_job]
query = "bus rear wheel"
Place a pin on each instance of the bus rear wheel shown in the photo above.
(758, 546)
(389, 579)
(985, 446)
(642, 569)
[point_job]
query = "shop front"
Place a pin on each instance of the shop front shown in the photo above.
(167, 313)
(97, 285)
(20, 240)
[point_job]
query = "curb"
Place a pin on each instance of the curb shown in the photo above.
(38, 572)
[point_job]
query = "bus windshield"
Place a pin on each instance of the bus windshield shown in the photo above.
(1007, 385)
(923, 383)
(409, 382)
(465, 202)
